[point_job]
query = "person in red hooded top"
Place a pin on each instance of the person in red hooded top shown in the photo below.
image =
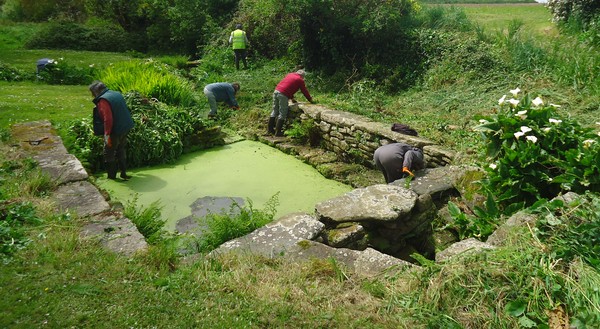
(284, 92)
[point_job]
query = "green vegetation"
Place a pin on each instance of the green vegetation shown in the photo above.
(537, 153)
(151, 79)
(237, 222)
(461, 63)
(165, 132)
(32, 101)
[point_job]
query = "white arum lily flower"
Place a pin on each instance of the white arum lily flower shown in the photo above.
(598, 123)
(515, 92)
(546, 129)
(522, 112)
(588, 142)
(525, 129)
(513, 102)
(493, 165)
(483, 121)
(501, 100)
(537, 102)
(555, 121)
(519, 134)
(533, 139)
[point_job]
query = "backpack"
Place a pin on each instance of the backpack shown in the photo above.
(404, 129)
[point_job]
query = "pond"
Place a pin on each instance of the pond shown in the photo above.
(245, 170)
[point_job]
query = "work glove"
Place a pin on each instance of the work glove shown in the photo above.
(406, 170)
(107, 140)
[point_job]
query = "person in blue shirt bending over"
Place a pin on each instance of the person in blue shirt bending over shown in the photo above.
(221, 92)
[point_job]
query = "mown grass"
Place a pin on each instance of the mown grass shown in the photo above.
(31, 101)
(26, 59)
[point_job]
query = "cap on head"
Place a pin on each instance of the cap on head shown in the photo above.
(238, 26)
(301, 72)
(236, 86)
(97, 87)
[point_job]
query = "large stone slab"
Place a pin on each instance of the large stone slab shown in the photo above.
(81, 198)
(39, 139)
(291, 237)
(117, 234)
(62, 168)
(463, 247)
(368, 262)
(380, 202)
(204, 206)
(278, 237)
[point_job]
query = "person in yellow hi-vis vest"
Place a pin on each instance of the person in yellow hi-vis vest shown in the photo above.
(239, 42)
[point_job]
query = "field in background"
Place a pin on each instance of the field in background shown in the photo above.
(536, 18)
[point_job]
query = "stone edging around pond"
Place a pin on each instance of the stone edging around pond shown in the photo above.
(351, 135)
(75, 194)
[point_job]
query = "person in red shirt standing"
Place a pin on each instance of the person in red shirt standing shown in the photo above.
(284, 92)
(115, 123)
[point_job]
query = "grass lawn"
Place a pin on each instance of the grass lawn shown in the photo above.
(25, 59)
(30, 101)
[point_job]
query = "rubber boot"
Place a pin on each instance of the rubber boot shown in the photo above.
(122, 168)
(111, 169)
(278, 127)
(271, 126)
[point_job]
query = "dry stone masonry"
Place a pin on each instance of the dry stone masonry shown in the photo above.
(356, 137)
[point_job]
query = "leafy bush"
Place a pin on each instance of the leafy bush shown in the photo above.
(223, 227)
(161, 134)
(69, 35)
(536, 152)
(60, 72)
(583, 11)
(9, 73)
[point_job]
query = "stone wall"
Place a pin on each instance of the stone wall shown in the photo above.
(355, 137)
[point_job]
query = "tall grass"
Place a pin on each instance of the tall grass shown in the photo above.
(152, 79)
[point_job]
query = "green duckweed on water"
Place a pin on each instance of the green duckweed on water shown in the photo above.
(248, 170)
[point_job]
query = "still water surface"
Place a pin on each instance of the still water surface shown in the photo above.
(246, 169)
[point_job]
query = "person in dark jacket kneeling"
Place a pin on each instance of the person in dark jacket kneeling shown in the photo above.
(117, 123)
(398, 160)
